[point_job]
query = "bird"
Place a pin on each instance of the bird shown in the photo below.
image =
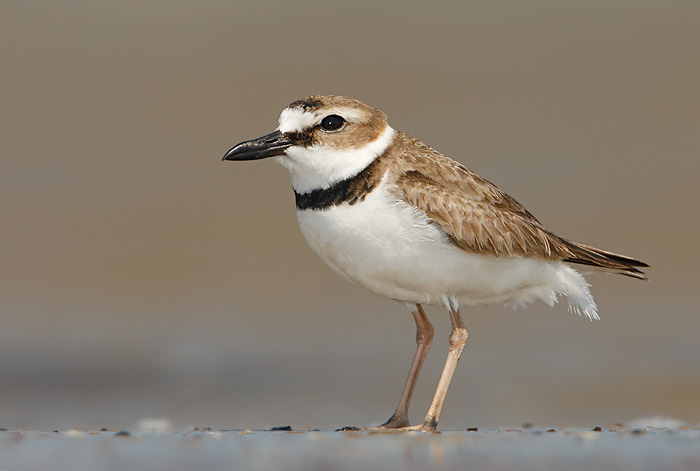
(389, 213)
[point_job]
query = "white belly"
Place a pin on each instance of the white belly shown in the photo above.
(392, 250)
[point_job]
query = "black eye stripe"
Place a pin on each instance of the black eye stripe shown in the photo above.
(304, 139)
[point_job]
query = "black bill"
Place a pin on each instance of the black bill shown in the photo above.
(261, 148)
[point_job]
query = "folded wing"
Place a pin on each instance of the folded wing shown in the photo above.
(479, 217)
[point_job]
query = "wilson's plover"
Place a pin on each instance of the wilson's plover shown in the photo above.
(391, 214)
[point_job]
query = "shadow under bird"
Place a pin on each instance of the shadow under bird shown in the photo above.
(390, 214)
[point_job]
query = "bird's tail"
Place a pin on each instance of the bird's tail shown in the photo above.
(608, 261)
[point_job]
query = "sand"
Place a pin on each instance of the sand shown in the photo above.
(619, 448)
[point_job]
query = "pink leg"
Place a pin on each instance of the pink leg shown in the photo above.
(424, 337)
(458, 338)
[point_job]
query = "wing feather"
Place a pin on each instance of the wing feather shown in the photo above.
(479, 217)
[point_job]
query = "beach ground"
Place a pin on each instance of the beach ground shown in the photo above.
(617, 447)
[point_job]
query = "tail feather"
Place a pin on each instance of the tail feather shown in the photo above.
(592, 256)
(616, 257)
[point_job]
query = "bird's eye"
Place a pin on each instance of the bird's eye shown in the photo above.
(332, 122)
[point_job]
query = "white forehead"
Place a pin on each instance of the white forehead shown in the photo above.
(298, 119)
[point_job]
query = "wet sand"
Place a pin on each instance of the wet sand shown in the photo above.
(617, 447)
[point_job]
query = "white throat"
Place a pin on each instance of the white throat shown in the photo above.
(313, 168)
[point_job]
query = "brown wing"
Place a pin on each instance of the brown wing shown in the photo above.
(478, 217)
(455, 177)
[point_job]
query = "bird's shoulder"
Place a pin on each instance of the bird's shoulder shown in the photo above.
(421, 163)
(473, 212)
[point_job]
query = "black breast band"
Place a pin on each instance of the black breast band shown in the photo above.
(350, 191)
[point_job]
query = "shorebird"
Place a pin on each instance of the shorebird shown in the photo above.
(397, 217)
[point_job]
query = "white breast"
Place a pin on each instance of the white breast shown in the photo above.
(393, 250)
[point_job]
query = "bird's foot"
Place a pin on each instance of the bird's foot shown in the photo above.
(405, 428)
(393, 425)
(394, 422)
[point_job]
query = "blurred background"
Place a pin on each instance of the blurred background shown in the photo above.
(140, 276)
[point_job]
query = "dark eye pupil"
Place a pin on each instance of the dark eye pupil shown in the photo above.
(332, 122)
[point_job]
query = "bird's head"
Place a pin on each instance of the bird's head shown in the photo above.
(321, 139)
